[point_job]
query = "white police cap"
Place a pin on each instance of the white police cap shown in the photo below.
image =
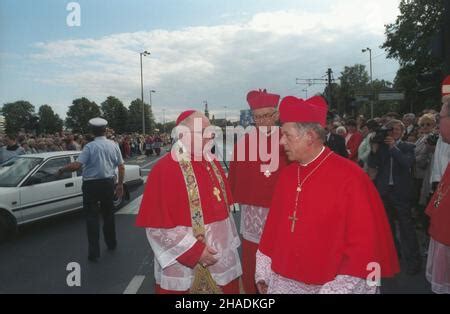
(98, 122)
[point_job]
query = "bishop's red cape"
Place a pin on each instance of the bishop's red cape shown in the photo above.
(341, 227)
(440, 212)
(248, 183)
(165, 202)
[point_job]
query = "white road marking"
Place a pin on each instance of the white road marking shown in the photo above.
(131, 208)
(134, 285)
(151, 162)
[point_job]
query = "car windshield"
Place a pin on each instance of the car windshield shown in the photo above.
(15, 169)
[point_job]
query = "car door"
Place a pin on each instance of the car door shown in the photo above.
(45, 193)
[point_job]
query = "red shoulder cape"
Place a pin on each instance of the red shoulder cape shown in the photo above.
(341, 228)
(165, 201)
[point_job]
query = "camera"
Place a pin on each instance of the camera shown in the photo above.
(380, 135)
(432, 139)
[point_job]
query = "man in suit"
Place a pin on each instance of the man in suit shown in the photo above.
(335, 142)
(393, 160)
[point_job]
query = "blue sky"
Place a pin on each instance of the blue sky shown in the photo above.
(214, 50)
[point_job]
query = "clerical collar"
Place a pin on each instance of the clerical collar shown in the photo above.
(315, 158)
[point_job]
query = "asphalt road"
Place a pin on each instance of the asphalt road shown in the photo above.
(36, 260)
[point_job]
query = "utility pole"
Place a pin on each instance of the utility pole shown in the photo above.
(330, 88)
(327, 79)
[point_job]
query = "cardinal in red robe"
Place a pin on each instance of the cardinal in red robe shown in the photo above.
(186, 212)
(327, 230)
(253, 180)
(438, 263)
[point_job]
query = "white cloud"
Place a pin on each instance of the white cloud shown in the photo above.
(221, 63)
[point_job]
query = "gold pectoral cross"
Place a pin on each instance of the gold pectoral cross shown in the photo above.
(437, 202)
(294, 220)
(216, 193)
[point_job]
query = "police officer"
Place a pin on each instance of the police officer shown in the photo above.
(99, 159)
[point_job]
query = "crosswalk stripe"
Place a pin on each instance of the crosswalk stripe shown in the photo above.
(134, 285)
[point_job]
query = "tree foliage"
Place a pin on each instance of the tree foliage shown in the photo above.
(135, 117)
(415, 41)
(49, 122)
(116, 113)
(79, 114)
(19, 115)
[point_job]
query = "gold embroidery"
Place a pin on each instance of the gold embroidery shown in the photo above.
(203, 282)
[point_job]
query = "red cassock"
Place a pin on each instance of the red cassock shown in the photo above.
(341, 227)
(165, 205)
(353, 145)
(248, 183)
(440, 215)
(165, 201)
(251, 186)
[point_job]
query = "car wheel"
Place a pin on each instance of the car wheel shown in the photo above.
(120, 201)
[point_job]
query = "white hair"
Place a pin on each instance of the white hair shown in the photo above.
(315, 127)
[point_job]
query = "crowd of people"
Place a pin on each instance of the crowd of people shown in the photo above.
(28, 143)
(406, 177)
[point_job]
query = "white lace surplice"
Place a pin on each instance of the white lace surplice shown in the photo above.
(169, 244)
(277, 284)
(438, 267)
(253, 220)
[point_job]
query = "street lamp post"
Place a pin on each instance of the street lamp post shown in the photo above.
(145, 53)
(371, 80)
(164, 120)
(151, 91)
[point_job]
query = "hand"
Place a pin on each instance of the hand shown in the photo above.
(390, 141)
(262, 287)
(207, 258)
(119, 190)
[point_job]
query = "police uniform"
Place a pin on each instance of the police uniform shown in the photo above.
(99, 160)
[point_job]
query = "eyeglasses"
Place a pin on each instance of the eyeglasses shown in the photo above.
(425, 124)
(264, 116)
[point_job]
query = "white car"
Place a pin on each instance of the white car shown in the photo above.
(30, 188)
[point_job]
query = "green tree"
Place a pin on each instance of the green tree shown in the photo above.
(135, 117)
(165, 127)
(49, 122)
(410, 40)
(79, 114)
(116, 113)
(354, 81)
(19, 115)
